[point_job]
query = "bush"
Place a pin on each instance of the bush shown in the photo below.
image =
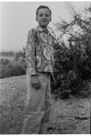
(13, 69)
(72, 72)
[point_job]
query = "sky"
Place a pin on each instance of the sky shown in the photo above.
(17, 18)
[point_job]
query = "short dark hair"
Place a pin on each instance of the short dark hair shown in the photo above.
(42, 6)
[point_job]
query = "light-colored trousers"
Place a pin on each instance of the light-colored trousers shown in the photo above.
(38, 106)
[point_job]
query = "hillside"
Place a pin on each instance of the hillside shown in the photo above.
(71, 116)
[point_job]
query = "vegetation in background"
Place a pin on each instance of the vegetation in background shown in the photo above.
(73, 62)
(7, 53)
(16, 67)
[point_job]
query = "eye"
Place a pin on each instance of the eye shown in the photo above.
(46, 15)
(40, 15)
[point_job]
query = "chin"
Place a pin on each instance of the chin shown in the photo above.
(44, 25)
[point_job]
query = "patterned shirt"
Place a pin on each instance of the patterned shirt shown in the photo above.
(39, 51)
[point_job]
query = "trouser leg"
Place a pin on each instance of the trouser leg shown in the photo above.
(45, 119)
(35, 108)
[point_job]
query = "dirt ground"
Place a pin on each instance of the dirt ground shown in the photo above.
(70, 116)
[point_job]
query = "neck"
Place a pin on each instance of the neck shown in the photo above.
(44, 27)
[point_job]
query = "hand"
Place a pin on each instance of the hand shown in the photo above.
(35, 82)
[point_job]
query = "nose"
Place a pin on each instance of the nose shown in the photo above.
(44, 16)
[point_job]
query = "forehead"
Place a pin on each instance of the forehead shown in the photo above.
(44, 10)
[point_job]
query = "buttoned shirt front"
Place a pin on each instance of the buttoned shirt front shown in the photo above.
(39, 51)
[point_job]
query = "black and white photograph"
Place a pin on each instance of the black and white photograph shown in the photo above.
(45, 67)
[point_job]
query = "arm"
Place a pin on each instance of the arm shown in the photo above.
(30, 53)
(30, 59)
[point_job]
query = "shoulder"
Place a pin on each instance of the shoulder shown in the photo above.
(51, 32)
(31, 32)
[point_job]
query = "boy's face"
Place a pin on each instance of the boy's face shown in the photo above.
(43, 17)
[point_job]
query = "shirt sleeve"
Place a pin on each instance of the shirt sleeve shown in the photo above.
(30, 53)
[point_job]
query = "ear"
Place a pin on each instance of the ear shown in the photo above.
(50, 19)
(36, 19)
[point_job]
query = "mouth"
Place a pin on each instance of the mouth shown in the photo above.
(44, 21)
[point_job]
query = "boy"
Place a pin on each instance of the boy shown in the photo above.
(39, 58)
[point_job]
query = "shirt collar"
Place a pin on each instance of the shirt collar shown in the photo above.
(39, 28)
